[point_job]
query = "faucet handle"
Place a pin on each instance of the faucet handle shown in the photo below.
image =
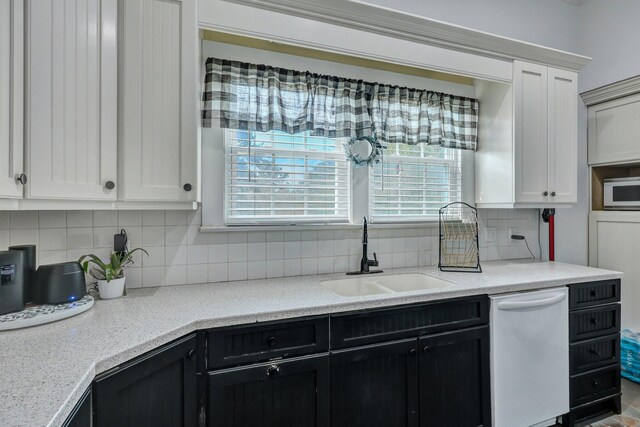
(375, 260)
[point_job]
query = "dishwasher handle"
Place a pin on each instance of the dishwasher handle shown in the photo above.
(516, 305)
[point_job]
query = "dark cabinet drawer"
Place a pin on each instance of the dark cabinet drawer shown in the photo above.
(594, 322)
(594, 353)
(588, 294)
(261, 342)
(594, 385)
(372, 326)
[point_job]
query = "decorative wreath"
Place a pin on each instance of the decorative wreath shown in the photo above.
(374, 155)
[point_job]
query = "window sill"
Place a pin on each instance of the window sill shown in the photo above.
(311, 227)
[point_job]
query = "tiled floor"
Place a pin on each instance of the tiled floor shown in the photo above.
(630, 416)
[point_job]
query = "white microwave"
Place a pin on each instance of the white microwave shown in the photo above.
(622, 193)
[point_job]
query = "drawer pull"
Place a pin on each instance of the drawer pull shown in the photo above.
(413, 352)
(594, 321)
(595, 383)
(272, 370)
(426, 348)
(271, 341)
(595, 353)
(593, 293)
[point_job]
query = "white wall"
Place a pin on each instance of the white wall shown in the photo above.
(552, 23)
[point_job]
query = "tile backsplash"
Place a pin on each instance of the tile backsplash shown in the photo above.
(180, 253)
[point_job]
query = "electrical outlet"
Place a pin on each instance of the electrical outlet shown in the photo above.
(490, 234)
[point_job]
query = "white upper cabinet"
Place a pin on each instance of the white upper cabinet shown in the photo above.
(614, 131)
(563, 136)
(540, 156)
(158, 100)
(71, 85)
(11, 99)
(530, 117)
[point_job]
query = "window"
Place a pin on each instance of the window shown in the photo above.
(414, 182)
(278, 178)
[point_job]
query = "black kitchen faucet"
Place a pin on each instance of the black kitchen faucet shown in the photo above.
(365, 262)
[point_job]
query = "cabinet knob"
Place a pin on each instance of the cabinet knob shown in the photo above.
(546, 193)
(413, 351)
(594, 321)
(273, 370)
(593, 293)
(594, 352)
(426, 348)
(553, 194)
(595, 383)
(191, 354)
(187, 187)
(271, 341)
(21, 179)
(109, 185)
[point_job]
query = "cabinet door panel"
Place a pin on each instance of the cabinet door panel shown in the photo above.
(375, 385)
(11, 98)
(156, 390)
(158, 99)
(563, 139)
(71, 104)
(530, 154)
(454, 379)
(291, 393)
(614, 131)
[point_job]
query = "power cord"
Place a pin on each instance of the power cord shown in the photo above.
(521, 237)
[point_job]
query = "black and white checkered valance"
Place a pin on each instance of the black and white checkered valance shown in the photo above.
(239, 95)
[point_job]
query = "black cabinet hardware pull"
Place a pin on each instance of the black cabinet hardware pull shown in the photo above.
(413, 351)
(594, 293)
(110, 185)
(272, 370)
(546, 193)
(191, 353)
(594, 321)
(187, 187)
(595, 353)
(271, 341)
(426, 348)
(553, 194)
(21, 179)
(595, 383)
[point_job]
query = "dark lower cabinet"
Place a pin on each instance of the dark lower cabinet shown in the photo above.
(283, 393)
(81, 416)
(455, 385)
(438, 380)
(155, 390)
(375, 385)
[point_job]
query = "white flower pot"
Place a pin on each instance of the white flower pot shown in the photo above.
(112, 289)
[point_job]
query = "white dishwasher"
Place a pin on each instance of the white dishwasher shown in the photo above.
(529, 357)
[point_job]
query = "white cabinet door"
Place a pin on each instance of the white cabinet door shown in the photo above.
(11, 99)
(562, 136)
(158, 100)
(530, 148)
(614, 243)
(614, 131)
(71, 121)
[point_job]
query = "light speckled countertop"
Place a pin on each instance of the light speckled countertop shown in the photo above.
(45, 369)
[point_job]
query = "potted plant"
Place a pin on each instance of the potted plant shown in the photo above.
(110, 276)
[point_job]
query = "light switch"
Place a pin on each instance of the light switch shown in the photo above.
(490, 234)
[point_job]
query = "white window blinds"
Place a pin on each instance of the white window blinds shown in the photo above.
(278, 178)
(414, 182)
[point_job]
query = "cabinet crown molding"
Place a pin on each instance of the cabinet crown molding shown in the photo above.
(612, 91)
(392, 23)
